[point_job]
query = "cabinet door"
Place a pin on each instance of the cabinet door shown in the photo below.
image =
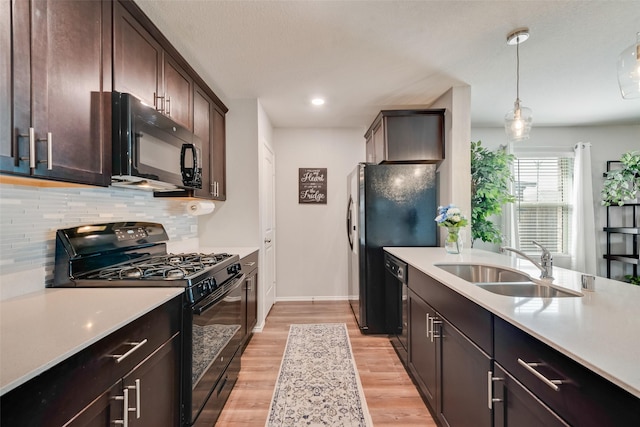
(464, 373)
(379, 144)
(69, 116)
(415, 136)
(178, 89)
(6, 75)
(203, 129)
(137, 59)
(219, 156)
(103, 411)
(252, 301)
(15, 85)
(515, 406)
(423, 348)
(369, 148)
(154, 387)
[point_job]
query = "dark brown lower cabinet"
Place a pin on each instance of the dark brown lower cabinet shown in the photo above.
(149, 392)
(250, 267)
(464, 371)
(577, 394)
(140, 361)
(450, 370)
(515, 406)
(423, 351)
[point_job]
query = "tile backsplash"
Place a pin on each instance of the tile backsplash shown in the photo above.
(30, 216)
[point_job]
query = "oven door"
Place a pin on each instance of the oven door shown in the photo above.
(216, 335)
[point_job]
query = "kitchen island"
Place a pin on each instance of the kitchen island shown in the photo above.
(598, 330)
(568, 339)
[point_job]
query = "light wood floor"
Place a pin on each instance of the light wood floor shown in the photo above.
(391, 396)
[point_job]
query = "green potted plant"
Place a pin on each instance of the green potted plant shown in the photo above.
(622, 185)
(634, 280)
(490, 178)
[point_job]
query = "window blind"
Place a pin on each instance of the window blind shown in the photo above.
(543, 209)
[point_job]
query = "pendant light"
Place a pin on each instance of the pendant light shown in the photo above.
(629, 70)
(517, 123)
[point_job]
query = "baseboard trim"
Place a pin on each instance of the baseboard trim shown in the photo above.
(312, 299)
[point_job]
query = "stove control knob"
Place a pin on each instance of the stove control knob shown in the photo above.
(234, 269)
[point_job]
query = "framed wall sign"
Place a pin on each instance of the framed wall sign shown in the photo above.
(312, 186)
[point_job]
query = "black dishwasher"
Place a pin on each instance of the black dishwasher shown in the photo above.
(397, 304)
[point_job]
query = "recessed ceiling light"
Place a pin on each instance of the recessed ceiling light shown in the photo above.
(317, 101)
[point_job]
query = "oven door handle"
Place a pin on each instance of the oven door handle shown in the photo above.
(213, 299)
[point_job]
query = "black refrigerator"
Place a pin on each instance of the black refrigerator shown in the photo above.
(388, 205)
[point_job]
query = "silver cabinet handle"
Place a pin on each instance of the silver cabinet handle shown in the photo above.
(490, 399)
(250, 264)
(48, 140)
(434, 321)
(212, 192)
(168, 106)
(156, 102)
(428, 327)
(125, 409)
(49, 151)
(136, 387)
(530, 366)
(136, 345)
(32, 148)
(267, 240)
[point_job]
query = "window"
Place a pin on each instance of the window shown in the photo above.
(542, 185)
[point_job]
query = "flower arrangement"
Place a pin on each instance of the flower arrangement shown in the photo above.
(450, 216)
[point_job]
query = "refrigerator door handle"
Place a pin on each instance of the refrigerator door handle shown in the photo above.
(349, 236)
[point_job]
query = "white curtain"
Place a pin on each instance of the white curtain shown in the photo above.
(583, 236)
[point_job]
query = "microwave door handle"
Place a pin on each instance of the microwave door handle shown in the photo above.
(187, 172)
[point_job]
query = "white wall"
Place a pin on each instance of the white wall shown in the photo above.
(235, 222)
(607, 143)
(455, 170)
(312, 243)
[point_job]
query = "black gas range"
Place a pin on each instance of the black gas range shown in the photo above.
(134, 254)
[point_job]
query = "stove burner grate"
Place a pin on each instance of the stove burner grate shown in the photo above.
(171, 266)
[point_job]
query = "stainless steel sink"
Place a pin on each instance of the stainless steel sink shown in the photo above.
(478, 273)
(525, 290)
(504, 281)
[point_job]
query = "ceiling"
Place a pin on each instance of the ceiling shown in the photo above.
(364, 56)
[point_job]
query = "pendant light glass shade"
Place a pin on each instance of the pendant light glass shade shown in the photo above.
(517, 123)
(629, 70)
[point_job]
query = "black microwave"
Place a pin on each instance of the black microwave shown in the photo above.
(151, 151)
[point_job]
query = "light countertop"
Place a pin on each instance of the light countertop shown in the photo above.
(40, 329)
(598, 330)
(242, 251)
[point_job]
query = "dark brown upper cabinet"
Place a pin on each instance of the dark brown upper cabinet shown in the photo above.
(149, 67)
(145, 69)
(409, 136)
(208, 125)
(137, 59)
(59, 78)
(5, 83)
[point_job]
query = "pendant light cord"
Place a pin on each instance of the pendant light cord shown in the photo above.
(518, 68)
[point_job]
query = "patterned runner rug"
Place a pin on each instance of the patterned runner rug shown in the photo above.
(318, 383)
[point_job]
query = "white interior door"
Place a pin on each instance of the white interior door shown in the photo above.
(268, 269)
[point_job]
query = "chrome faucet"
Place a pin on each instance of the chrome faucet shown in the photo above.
(546, 260)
